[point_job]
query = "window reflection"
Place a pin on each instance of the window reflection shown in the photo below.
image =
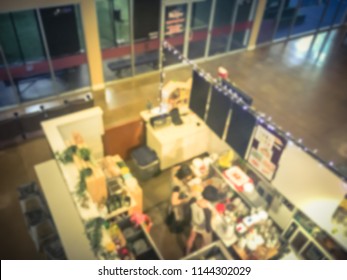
(222, 25)
(114, 32)
(45, 51)
(268, 23)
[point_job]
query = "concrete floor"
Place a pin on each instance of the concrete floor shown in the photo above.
(300, 83)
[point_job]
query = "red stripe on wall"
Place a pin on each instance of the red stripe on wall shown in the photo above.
(41, 67)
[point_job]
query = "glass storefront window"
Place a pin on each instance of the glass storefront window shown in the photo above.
(243, 24)
(329, 13)
(175, 27)
(288, 16)
(9, 40)
(28, 65)
(199, 28)
(341, 15)
(43, 51)
(146, 35)
(222, 26)
(7, 92)
(114, 32)
(268, 24)
(308, 17)
(69, 60)
(25, 24)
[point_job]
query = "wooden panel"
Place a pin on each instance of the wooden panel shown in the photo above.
(122, 138)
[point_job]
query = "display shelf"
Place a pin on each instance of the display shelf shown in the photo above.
(232, 187)
(241, 195)
(318, 237)
(139, 237)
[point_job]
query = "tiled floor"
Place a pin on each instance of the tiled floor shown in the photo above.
(300, 83)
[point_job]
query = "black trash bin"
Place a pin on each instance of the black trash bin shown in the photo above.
(146, 162)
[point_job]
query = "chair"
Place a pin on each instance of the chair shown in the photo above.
(31, 123)
(80, 104)
(56, 112)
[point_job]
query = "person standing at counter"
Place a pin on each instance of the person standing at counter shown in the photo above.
(201, 218)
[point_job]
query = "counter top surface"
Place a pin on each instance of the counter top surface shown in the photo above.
(226, 231)
(63, 209)
(191, 124)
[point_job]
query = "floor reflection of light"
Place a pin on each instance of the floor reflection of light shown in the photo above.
(315, 48)
(300, 47)
(321, 60)
(303, 45)
(108, 95)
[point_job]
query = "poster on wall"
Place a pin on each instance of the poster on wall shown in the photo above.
(266, 150)
(175, 18)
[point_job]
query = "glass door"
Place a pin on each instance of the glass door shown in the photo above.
(175, 22)
(199, 28)
(115, 37)
(225, 12)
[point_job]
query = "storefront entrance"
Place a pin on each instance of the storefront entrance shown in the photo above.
(186, 25)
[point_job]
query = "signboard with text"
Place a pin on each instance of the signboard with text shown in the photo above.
(175, 19)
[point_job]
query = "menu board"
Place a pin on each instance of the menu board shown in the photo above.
(266, 151)
(199, 95)
(220, 105)
(240, 129)
(175, 18)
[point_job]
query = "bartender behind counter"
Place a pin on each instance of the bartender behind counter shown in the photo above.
(194, 209)
(178, 210)
(200, 223)
(178, 217)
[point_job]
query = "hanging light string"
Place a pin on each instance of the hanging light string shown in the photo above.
(261, 117)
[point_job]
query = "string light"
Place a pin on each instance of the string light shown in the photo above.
(260, 116)
(271, 127)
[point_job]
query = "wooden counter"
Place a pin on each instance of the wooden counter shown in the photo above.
(220, 227)
(63, 209)
(261, 253)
